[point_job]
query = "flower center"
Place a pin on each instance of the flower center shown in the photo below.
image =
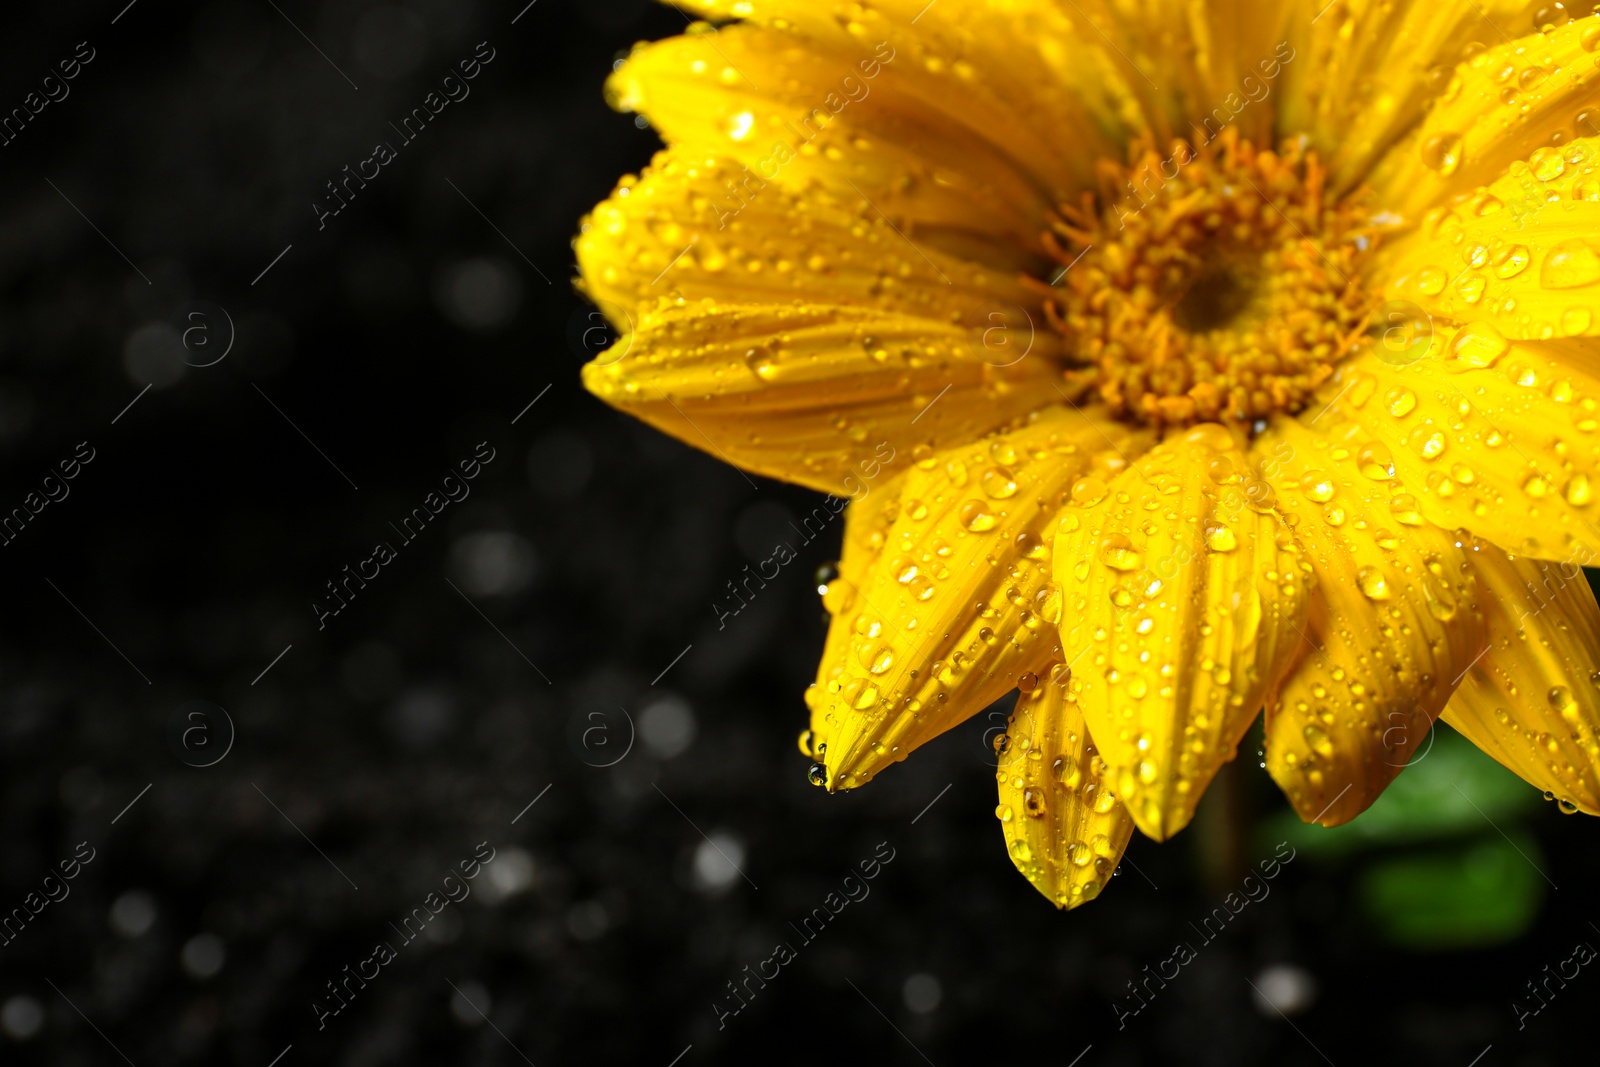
(1218, 283)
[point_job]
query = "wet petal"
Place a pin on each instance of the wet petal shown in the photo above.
(1184, 598)
(960, 605)
(1501, 438)
(1365, 71)
(1064, 830)
(867, 522)
(1493, 110)
(1395, 621)
(696, 226)
(1521, 257)
(1533, 700)
(824, 396)
(802, 117)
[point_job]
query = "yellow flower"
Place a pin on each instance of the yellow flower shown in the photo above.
(1180, 359)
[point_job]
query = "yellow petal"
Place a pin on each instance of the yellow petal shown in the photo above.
(960, 604)
(1533, 702)
(867, 522)
(1055, 80)
(1395, 621)
(1223, 74)
(1366, 71)
(803, 118)
(1034, 82)
(1522, 256)
(1501, 438)
(694, 226)
(829, 397)
(1064, 830)
(1495, 109)
(1182, 605)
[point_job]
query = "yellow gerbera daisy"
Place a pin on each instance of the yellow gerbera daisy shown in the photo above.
(1180, 359)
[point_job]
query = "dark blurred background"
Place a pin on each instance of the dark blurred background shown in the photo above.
(265, 800)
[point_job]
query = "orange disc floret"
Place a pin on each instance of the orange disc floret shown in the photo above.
(1213, 283)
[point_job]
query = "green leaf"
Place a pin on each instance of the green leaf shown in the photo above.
(1476, 893)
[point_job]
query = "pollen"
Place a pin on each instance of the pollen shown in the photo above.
(1219, 283)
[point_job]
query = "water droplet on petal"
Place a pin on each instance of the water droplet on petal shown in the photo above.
(1562, 700)
(1318, 486)
(1478, 345)
(1513, 262)
(1546, 164)
(1376, 462)
(1400, 402)
(1442, 152)
(997, 483)
(976, 516)
(1372, 583)
(1119, 554)
(1087, 492)
(1570, 265)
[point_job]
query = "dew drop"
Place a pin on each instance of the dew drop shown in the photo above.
(1405, 509)
(1372, 583)
(1400, 402)
(1087, 492)
(1376, 462)
(1570, 265)
(1513, 262)
(1478, 345)
(1429, 443)
(826, 575)
(1547, 164)
(976, 516)
(877, 660)
(997, 483)
(1441, 605)
(1318, 486)
(1033, 803)
(1119, 554)
(1442, 152)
